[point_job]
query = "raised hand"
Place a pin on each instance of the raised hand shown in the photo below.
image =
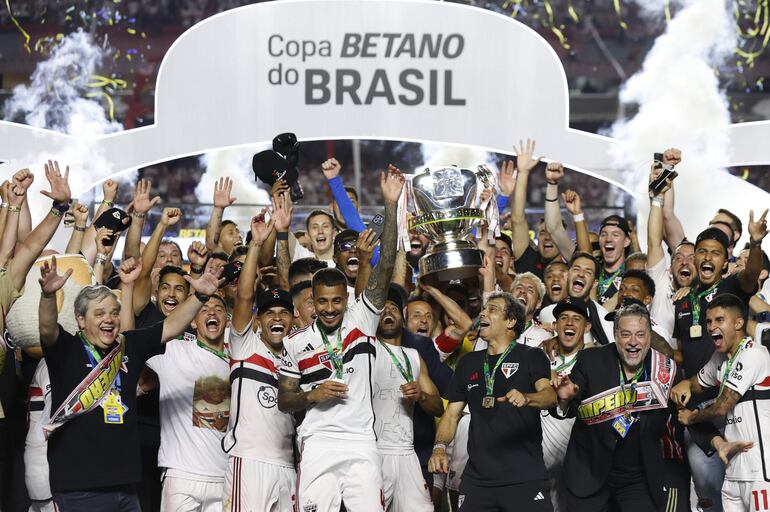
(102, 237)
(554, 171)
(15, 194)
(392, 183)
(222, 189)
(142, 202)
(4, 191)
(572, 202)
(758, 228)
(60, 189)
(655, 171)
(129, 270)
(507, 178)
(196, 254)
(259, 228)
(672, 156)
(282, 209)
(331, 168)
(208, 283)
(80, 214)
(525, 162)
(170, 216)
(110, 190)
(365, 244)
(280, 187)
(50, 281)
(23, 178)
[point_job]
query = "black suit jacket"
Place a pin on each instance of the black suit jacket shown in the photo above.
(591, 447)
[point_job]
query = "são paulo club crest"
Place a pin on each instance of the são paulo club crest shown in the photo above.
(509, 369)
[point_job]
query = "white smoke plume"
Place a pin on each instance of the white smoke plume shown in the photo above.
(55, 100)
(236, 164)
(681, 105)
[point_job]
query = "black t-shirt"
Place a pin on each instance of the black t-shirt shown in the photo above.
(150, 315)
(85, 453)
(531, 261)
(697, 351)
(504, 442)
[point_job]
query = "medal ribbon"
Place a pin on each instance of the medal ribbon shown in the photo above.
(489, 379)
(633, 380)
(695, 302)
(220, 354)
(605, 282)
(335, 353)
(730, 362)
(406, 373)
(95, 357)
(565, 365)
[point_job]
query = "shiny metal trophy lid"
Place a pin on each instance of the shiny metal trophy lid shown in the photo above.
(447, 209)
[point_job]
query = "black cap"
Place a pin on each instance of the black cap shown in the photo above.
(113, 219)
(713, 234)
(507, 240)
(571, 304)
(397, 295)
(627, 301)
(618, 222)
(344, 237)
(274, 297)
(269, 167)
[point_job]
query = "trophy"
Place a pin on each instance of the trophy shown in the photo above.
(447, 207)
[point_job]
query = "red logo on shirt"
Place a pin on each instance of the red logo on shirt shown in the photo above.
(475, 376)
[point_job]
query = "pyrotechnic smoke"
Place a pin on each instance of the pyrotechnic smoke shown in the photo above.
(681, 105)
(55, 100)
(236, 164)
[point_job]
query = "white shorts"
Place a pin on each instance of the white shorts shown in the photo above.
(403, 485)
(745, 496)
(36, 472)
(332, 470)
(187, 495)
(255, 486)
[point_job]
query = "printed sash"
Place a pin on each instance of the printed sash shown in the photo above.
(90, 393)
(643, 396)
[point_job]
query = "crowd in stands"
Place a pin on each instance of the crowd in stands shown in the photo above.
(269, 368)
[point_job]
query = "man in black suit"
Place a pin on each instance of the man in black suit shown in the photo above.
(619, 393)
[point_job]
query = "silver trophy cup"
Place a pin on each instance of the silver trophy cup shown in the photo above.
(446, 210)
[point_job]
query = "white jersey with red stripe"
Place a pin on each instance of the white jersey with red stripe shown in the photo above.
(393, 413)
(749, 377)
(257, 429)
(36, 444)
(306, 359)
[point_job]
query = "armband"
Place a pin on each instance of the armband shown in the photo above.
(282, 235)
(578, 217)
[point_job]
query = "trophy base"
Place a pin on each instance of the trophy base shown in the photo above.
(452, 264)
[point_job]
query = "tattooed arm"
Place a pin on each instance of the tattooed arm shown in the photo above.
(291, 398)
(376, 291)
(719, 409)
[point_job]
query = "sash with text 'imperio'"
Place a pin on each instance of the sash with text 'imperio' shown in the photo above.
(643, 396)
(91, 391)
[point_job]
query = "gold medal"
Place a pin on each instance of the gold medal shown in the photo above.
(696, 331)
(488, 402)
(113, 409)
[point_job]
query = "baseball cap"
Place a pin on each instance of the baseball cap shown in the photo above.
(618, 222)
(397, 295)
(507, 240)
(571, 304)
(269, 166)
(345, 240)
(274, 297)
(627, 301)
(713, 234)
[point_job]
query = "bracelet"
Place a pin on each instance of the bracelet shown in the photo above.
(55, 212)
(101, 258)
(14, 208)
(196, 269)
(82, 229)
(137, 215)
(201, 297)
(441, 446)
(578, 217)
(4, 205)
(48, 295)
(552, 200)
(61, 206)
(109, 204)
(656, 201)
(755, 243)
(282, 235)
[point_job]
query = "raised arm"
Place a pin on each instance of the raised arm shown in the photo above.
(244, 302)
(179, 320)
(672, 226)
(554, 223)
(461, 322)
(222, 200)
(30, 248)
(143, 285)
(128, 272)
(376, 291)
(109, 193)
(141, 204)
(103, 251)
(282, 211)
(757, 232)
(80, 214)
(8, 237)
(365, 251)
(331, 169)
(575, 208)
(524, 164)
(655, 251)
(50, 282)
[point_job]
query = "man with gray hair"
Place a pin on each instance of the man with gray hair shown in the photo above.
(93, 448)
(610, 389)
(505, 387)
